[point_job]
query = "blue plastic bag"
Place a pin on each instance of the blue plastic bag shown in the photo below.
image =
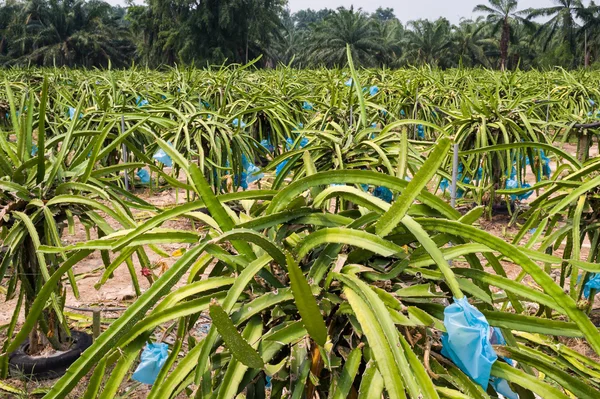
(250, 174)
(445, 184)
(280, 167)
(592, 283)
(383, 193)
(72, 113)
(348, 82)
(467, 341)
(144, 176)
(591, 102)
(236, 122)
(501, 386)
(459, 191)
(545, 164)
(402, 113)
(513, 184)
(266, 144)
(141, 103)
(253, 174)
(373, 90)
(252, 171)
(546, 169)
(34, 150)
(421, 131)
(290, 143)
(162, 157)
(153, 358)
(479, 174)
(307, 106)
(496, 338)
(373, 126)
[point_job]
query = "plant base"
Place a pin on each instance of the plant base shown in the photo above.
(23, 365)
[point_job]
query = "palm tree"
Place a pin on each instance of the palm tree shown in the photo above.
(389, 33)
(159, 30)
(8, 15)
(523, 49)
(562, 22)
(501, 13)
(469, 39)
(72, 33)
(428, 42)
(590, 30)
(346, 26)
(290, 42)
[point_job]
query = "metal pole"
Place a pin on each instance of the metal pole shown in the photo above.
(124, 150)
(454, 176)
(415, 112)
(454, 180)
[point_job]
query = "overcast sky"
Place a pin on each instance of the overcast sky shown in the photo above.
(407, 10)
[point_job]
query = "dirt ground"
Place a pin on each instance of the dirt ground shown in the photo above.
(119, 292)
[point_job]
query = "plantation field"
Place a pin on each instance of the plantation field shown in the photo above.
(297, 233)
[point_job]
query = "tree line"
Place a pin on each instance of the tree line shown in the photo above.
(93, 33)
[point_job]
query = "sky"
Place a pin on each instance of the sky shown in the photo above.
(407, 10)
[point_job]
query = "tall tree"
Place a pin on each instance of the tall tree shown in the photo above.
(500, 13)
(428, 42)
(72, 33)
(211, 31)
(562, 23)
(290, 43)
(389, 34)
(346, 26)
(303, 19)
(8, 20)
(469, 42)
(384, 14)
(590, 31)
(523, 50)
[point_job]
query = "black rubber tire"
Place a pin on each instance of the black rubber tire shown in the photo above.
(502, 209)
(47, 367)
